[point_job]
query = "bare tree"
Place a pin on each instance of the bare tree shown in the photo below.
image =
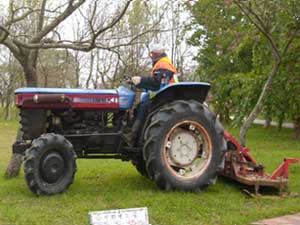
(26, 51)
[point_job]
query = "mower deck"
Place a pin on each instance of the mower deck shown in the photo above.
(241, 167)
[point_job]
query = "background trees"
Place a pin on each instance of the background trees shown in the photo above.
(245, 52)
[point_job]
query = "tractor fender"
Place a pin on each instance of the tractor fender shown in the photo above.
(180, 91)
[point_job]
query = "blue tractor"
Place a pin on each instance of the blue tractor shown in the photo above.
(180, 144)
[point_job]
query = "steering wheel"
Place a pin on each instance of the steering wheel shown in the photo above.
(127, 80)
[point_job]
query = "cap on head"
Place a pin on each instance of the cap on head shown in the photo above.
(157, 48)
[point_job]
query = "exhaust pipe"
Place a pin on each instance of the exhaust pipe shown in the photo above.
(50, 98)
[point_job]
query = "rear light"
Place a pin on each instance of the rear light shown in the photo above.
(18, 100)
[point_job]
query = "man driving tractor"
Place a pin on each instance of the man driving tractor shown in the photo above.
(162, 73)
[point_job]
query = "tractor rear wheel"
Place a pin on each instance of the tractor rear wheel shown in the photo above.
(50, 165)
(184, 146)
(140, 165)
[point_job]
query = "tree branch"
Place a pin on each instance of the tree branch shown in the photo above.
(65, 14)
(81, 46)
(290, 40)
(91, 20)
(3, 33)
(114, 22)
(15, 20)
(74, 46)
(258, 26)
(41, 16)
(129, 42)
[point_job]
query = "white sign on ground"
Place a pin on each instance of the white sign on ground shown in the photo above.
(134, 216)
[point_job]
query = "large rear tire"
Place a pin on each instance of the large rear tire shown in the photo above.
(140, 165)
(50, 165)
(184, 146)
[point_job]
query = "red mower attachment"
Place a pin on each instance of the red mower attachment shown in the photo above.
(241, 166)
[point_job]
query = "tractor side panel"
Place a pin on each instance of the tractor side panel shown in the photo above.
(62, 98)
(74, 101)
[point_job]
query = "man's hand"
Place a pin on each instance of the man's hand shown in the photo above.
(136, 80)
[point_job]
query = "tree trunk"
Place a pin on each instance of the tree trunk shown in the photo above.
(90, 71)
(30, 75)
(45, 79)
(268, 116)
(2, 102)
(29, 66)
(7, 111)
(267, 123)
(259, 105)
(15, 163)
(77, 71)
(28, 60)
(296, 129)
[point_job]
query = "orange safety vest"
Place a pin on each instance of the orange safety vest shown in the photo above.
(165, 63)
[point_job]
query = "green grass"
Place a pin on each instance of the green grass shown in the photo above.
(112, 184)
(14, 112)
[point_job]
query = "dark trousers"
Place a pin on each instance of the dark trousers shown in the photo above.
(142, 108)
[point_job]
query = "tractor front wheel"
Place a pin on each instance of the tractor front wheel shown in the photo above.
(50, 165)
(184, 146)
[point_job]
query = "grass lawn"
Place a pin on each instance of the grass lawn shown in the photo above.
(112, 184)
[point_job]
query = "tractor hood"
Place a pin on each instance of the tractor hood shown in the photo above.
(63, 91)
(121, 98)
